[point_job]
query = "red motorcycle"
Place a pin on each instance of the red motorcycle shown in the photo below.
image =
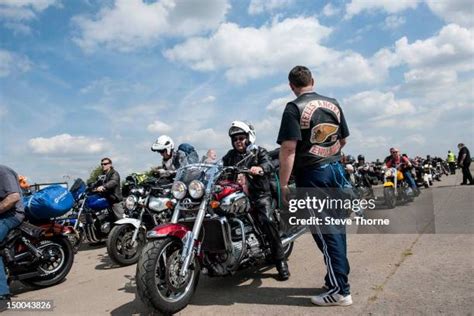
(212, 231)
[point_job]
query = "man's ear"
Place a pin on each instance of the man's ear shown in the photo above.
(292, 87)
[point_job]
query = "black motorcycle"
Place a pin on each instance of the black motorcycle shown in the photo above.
(39, 256)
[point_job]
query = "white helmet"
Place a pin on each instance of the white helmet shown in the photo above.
(163, 143)
(239, 127)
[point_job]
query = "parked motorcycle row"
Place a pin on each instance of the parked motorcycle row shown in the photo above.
(175, 229)
(396, 190)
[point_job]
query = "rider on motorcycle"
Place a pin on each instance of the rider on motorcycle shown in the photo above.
(242, 135)
(11, 215)
(395, 159)
(172, 159)
(108, 183)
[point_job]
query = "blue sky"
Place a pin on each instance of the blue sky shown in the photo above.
(84, 79)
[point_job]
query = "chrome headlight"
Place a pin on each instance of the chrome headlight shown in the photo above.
(179, 190)
(131, 202)
(196, 189)
(388, 173)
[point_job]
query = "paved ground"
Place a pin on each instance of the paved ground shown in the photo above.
(427, 270)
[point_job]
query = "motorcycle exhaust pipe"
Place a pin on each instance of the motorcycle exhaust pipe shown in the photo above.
(285, 241)
(28, 275)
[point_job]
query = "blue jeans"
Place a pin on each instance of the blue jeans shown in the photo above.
(333, 246)
(409, 178)
(6, 224)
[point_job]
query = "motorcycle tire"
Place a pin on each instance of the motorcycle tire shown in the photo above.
(148, 272)
(60, 275)
(117, 250)
(426, 184)
(390, 198)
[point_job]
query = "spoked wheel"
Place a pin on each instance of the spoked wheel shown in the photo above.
(58, 259)
(159, 283)
(120, 246)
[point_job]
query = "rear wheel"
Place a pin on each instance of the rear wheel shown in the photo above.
(59, 257)
(159, 284)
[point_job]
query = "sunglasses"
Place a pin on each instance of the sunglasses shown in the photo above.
(239, 138)
(105, 163)
(394, 152)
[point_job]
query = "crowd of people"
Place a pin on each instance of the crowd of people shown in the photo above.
(312, 133)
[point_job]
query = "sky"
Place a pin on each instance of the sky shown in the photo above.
(85, 79)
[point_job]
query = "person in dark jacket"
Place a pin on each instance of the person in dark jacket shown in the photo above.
(109, 185)
(258, 184)
(464, 161)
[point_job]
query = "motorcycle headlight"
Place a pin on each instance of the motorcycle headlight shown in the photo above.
(388, 173)
(131, 202)
(196, 189)
(178, 190)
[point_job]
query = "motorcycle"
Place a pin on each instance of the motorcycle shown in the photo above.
(427, 175)
(92, 215)
(395, 188)
(39, 256)
(148, 205)
(212, 231)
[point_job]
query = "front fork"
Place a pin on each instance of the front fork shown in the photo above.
(191, 238)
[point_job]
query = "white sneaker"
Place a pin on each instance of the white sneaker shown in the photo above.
(326, 299)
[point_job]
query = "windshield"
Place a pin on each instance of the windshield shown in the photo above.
(198, 171)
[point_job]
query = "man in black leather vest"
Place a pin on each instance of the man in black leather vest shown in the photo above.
(313, 130)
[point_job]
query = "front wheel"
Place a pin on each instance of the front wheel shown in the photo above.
(159, 284)
(120, 247)
(57, 262)
(389, 196)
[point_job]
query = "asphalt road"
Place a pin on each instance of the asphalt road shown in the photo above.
(429, 269)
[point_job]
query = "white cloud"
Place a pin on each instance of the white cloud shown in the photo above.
(379, 105)
(66, 144)
(11, 63)
(330, 10)
(451, 49)
(260, 6)
(247, 52)
(16, 13)
(130, 24)
(356, 7)
(454, 11)
(394, 21)
(278, 105)
(159, 127)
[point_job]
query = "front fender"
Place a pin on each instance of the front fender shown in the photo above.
(388, 184)
(168, 230)
(132, 221)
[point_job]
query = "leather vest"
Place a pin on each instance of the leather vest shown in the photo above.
(320, 119)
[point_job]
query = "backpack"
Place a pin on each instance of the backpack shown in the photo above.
(190, 153)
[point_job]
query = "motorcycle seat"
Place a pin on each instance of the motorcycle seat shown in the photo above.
(31, 230)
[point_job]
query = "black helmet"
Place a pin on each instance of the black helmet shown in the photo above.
(360, 157)
(350, 159)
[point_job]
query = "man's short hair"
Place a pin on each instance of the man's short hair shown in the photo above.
(460, 145)
(106, 158)
(300, 76)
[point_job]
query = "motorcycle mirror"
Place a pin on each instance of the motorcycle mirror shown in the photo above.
(252, 149)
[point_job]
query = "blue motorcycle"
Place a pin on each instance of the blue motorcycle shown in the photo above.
(92, 215)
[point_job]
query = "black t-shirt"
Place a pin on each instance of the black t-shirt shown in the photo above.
(467, 160)
(9, 184)
(318, 124)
